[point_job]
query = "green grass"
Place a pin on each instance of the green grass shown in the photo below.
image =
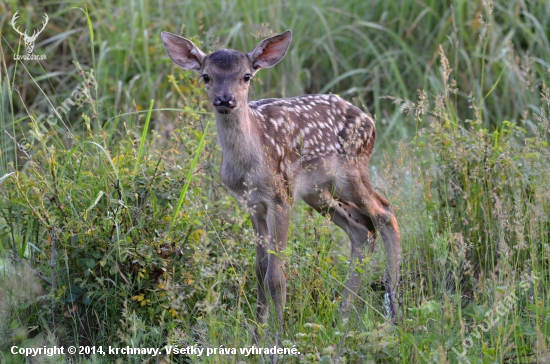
(123, 193)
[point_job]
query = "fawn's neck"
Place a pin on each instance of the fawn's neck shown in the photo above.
(238, 137)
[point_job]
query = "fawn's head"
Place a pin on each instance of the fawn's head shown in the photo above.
(226, 72)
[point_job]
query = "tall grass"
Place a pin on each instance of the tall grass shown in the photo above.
(115, 222)
(361, 50)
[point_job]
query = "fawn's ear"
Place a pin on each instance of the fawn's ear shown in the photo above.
(270, 51)
(183, 52)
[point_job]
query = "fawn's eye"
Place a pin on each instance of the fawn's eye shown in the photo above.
(205, 78)
(247, 77)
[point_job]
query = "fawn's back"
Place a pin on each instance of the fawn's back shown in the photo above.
(308, 127)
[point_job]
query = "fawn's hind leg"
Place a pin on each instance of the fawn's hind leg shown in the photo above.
(361, 232)
(359, 190)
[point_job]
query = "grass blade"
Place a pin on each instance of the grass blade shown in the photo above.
(143, 136)
(189, 177)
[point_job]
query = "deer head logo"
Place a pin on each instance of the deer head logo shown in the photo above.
(29, 40)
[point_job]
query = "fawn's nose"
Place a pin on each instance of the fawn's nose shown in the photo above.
(224, 103)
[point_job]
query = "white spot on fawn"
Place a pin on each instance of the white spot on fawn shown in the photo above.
(273, 123)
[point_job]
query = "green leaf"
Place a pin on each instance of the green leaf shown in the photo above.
(72, 297)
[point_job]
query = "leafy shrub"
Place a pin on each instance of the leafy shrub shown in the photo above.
(122, 248)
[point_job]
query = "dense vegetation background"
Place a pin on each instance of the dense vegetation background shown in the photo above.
(115, 228)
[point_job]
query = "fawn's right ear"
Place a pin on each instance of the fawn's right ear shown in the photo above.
(183, 52)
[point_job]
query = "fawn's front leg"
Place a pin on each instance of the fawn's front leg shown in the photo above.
(260, 225)
(278, 221)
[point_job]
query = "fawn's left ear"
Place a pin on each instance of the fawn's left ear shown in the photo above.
(270, 51)
(183, 52)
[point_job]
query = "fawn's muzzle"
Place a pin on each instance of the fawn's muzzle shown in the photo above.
(224, 104)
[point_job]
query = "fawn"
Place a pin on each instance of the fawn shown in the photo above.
(275, 151)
